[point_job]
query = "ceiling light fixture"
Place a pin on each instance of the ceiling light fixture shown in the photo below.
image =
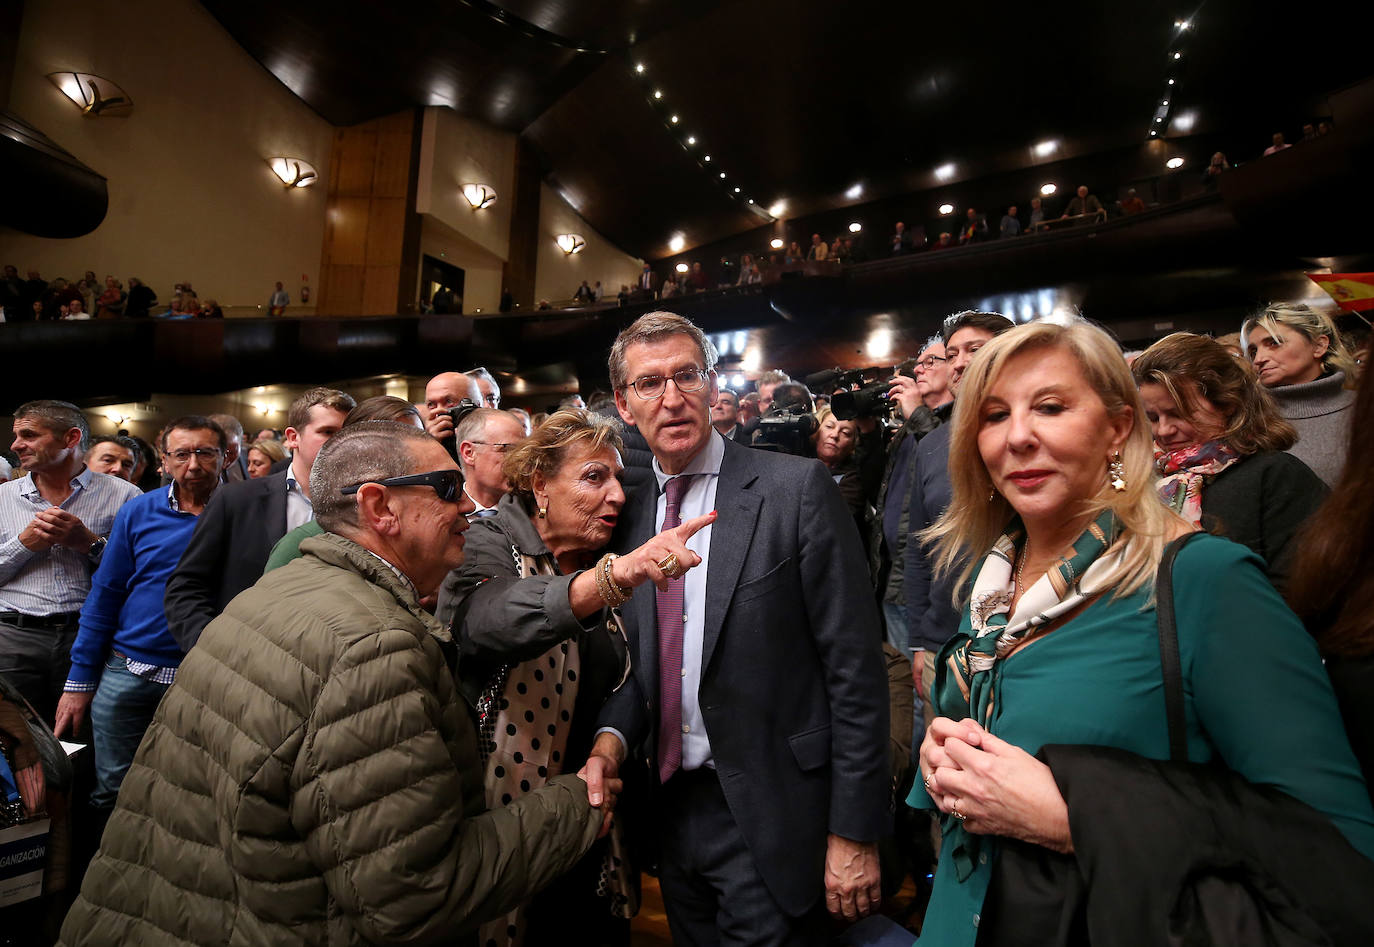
(1165, 102)
(946, 209)
(691, 139)
(736, 190)
(1048, 189)
(658, 93)
(571, 243)
(1173, 163)
(776, 243)
(96, 96)
(681, 267)
(479, 195)
(676, 242)
(707, 158)
(1044, 149)
(673, 119)
(722, 174)
(777, 208)
(855, 227)
(639, 68)
(751, 200)
(944, 172)
(1171, 82)
(1178, 55)
(294, 172)
(855, 192)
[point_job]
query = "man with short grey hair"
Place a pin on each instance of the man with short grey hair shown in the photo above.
(324, 768)
(484, 437)
(491, 391)
(53, 529)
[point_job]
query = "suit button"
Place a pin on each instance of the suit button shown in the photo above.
(686, 729)
(684, 672)
(684, 617)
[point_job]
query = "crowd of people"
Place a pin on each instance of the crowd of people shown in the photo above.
(420, 672)
(34, 299)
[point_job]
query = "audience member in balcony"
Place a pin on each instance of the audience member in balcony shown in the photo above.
(12, 295)
(945, 242)
(751, 277)
(746, 262)
(89, 289)
(975, 229)
(584, 294)
(729, 272)
(1219, 448)
(276, 303)
(1309, 133)
(1215, 167)
(819, 249)
(76, 310)
(210, 309)
(1011, 224)
(794, 254)
(839, 249)
(37, 310)
(113, 455)
(1132, 204)
(1082, 203)
(648, 283)
(672, 286)
(141, 299)
(900, 242)
(60, 294)
(697, 279)
(110, 303)
(597, 291)
(1323, 128)
(1037, 215)
(262, 455)
(507, 302)
(1302, 360)
(1278, 145)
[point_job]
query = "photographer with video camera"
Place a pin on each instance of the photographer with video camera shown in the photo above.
(788, 426)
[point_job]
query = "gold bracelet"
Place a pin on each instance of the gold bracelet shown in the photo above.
(624, 592)
(599, 574)
(606, 587)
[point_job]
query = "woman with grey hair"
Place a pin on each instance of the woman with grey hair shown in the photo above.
(1300, 357)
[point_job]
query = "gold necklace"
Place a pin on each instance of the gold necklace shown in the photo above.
(1021, 567)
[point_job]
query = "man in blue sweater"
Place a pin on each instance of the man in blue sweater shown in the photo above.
(124, 658)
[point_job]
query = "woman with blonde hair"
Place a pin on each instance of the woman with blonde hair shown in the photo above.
(1058, 532)
(1300, 357)
(1219, 447)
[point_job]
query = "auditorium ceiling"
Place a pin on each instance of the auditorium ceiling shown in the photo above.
(802, 107)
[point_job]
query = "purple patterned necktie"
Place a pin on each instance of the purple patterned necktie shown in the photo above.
(671, 619)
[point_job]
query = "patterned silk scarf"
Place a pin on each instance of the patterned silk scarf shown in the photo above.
(967, 682)
(1181, 473)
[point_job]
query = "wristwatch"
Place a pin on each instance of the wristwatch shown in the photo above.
(97, 548)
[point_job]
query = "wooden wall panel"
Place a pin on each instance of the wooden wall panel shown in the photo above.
(371, 241)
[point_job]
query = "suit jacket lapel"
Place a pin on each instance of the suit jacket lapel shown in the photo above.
(738, 508)
(641, 611)
(275, 525)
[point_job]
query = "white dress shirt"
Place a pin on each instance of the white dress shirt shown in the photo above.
(299, 510)
(699, 500)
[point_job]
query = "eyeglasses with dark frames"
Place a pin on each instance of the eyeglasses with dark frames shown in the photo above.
(929, 361)
(650, 387)
(447, 483)
(199, 453)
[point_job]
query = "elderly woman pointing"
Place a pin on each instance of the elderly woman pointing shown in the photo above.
(1066, 782)
(533, 610)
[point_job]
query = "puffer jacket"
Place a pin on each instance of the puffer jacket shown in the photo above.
(312, 777)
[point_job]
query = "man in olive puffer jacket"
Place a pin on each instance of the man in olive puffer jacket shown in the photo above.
(312, 776)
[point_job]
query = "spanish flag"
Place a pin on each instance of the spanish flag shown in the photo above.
(1352, 291)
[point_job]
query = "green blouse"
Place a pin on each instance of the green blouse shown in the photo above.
(1255, 690)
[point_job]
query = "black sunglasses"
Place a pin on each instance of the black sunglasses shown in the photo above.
(447, 483)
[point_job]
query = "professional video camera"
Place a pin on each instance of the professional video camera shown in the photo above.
(459, 411)
(787, 429)
(868, 401)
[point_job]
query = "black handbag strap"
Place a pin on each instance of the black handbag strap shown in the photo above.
(1168, 650)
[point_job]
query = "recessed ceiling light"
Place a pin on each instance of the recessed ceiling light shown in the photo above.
(707, 158)
(855, 192)
(1153, 133)
(673, 119)
(944, 172)
(776, 243)
(946, 209)
(1165, 102)
(736, 190)
(681, 267)
(722, 174)
(658, 93)
(1178, 55)
(1174, 163)
(1184, 121)
(691, 139)
(751, 200)
(1171, 82)
(676, 242)
(855, 227)
(1157, 119)
(639, 67)
(1048, 189)
(777, 208)
(1046, 148)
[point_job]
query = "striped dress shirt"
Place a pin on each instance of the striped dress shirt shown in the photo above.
(56, 580)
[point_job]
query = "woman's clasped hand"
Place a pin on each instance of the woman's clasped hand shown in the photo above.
(991, 786)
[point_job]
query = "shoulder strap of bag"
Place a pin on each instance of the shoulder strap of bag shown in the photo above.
(1168, 650)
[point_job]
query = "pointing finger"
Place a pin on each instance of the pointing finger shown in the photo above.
(688, 529)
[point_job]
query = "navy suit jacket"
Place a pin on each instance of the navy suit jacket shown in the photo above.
(793, 689)
(227, 552)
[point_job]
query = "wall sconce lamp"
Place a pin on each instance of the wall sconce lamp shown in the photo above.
(94, 95)
(571, 243)
(479, 195)
(293, 172)
(115, 418)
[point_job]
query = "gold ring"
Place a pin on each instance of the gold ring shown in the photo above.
(926, 780)
(954, 811)
(670, 566)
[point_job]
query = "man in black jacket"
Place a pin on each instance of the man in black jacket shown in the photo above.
(243, 521)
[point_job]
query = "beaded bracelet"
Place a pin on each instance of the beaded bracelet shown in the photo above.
(611, 593)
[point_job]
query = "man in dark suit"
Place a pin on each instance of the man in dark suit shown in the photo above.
(235, 465)
(766, 723)
(243, 521)
(725, 417)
